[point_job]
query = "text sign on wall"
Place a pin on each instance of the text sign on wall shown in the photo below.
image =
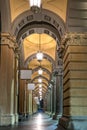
(25, 74)
(31, 86)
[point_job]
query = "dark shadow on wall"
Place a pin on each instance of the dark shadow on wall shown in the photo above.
(0, 39)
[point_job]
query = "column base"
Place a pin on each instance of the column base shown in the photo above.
(16, 118)
(73, 123)
(54, 116)
(59, 116)
(49, 113)
(7, 119)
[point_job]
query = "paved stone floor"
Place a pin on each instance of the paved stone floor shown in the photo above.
(39, 121)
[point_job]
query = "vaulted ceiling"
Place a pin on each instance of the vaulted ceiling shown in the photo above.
(57, 6)
(31, 44)
(47, 46)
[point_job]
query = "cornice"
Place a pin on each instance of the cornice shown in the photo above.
(7, 39)
(74, 39)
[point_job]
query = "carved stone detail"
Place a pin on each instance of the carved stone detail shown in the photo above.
(74, 39)
(58, 71)
(7, 39)
(71, 39)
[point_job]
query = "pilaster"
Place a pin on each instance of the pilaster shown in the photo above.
(74, 54)
(7, 114)
(30, 102)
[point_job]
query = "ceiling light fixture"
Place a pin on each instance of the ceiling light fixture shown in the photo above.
(39, 54)
(39, 80)
(40, 89)
(40, 85)
(35, 5)
(40, 71)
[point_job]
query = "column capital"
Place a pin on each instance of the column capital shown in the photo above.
(7, 39)
(74, 39)
(17, 52)
(58, 71)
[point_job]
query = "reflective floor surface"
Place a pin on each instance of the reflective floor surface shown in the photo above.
(39, 121)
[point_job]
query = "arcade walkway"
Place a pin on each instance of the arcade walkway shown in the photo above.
(38, 121)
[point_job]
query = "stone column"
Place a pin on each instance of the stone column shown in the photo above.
(30, 102)
(54, 91)
(74, 83)
(58, 89)
(34, 106)
(51, 99)
(16, 83)
(27, 102)
(7, 114)
(48, 101)
(22, 97)
(58, 73)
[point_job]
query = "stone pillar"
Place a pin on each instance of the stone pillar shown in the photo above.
(22, 97)
(54, 100)
(51, 98)
(27, 102)
(30, 102)
(58, 88)
(16, 86)
(7, 113)
(34, 106)
(74, 83)
(48, 102)
(58, 73)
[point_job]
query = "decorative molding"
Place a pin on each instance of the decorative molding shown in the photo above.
(45, 16)
(58, 71)
(42, 84)
(33, 56)
(43, 68)
(38, 28)
(74, 39)
(71, 39)
(7, 39)
(40, 77)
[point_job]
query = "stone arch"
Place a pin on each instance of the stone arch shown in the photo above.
(45, 88)
(42, 83)
(44, 69)
(34, 57)
(40, 77)
(28, 23)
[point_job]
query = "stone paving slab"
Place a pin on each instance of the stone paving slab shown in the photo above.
(39, 121)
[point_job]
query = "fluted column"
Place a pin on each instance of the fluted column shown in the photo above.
(7, 113)
(74, 82)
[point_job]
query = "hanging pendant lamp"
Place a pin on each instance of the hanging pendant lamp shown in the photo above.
(39, 54)
(35, 5)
